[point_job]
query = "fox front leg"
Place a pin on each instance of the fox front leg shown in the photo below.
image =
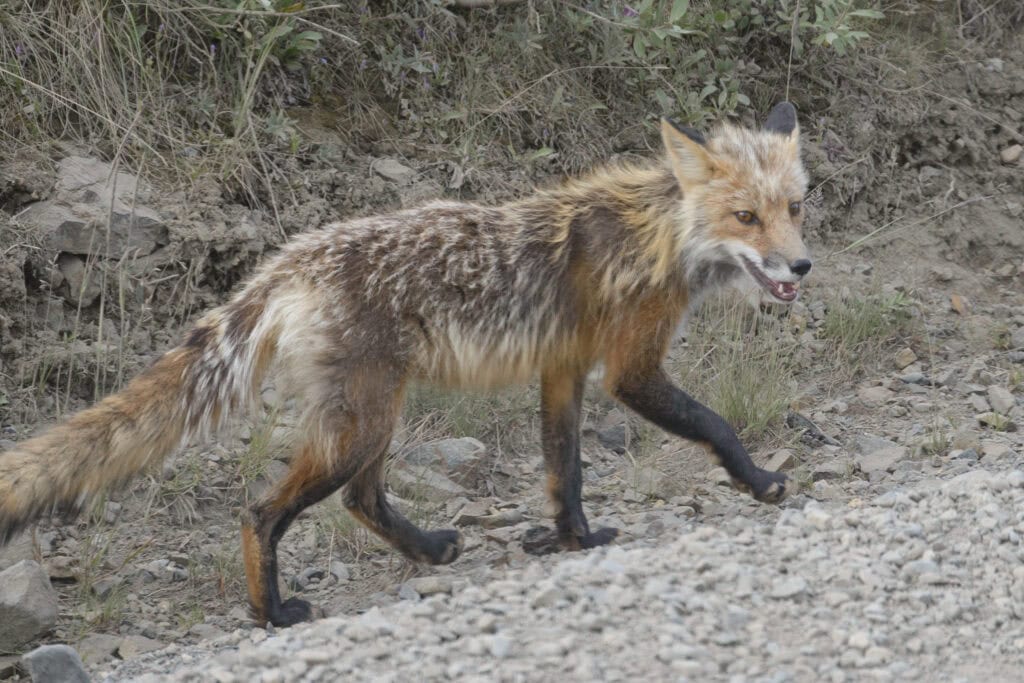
(657, 399)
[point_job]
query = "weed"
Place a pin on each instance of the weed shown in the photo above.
(857, 330)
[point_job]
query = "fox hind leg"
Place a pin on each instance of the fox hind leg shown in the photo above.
(309, 480)
(343, 441)
(366, 501)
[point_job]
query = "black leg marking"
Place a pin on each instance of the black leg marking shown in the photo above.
(561, 401)
(667, 406)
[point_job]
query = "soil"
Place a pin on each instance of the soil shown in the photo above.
(911, 197)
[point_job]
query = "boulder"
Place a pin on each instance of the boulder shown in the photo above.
(28, 604)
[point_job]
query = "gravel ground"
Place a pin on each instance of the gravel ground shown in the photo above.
(923, 581)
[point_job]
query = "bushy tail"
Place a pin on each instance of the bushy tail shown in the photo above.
(188, 391)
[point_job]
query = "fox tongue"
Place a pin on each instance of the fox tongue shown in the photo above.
(787, 287)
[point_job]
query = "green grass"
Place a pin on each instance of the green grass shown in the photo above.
(858, 331)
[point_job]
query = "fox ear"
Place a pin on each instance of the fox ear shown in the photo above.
(686, 149)
(782, 120)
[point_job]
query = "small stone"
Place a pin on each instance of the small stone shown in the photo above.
(905, 357)
(1001, 399)
(28, 604)
(111, 511)
(784, 459)
(55, 664)
(882, 460)
(461, 459)
(98, 647)
(107, 585)
(393, 171)
(788, 587)
(501, 646)
(1011, 154)
(832, 469)
(874, 395)
(339, 571)
(133, 646)
(860, 640)
(421, 483)
(1017, 338)
(960, 304)
(998, 422)
(431, 585)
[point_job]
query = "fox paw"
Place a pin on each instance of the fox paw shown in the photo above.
(442, 546)
(294, 611)
(768, 487)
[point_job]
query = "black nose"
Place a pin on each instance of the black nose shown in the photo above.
(801, 267)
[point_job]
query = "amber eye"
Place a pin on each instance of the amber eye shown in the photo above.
(746, 217)
(794, 208)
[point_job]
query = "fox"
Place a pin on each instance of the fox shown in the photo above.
(597, 271)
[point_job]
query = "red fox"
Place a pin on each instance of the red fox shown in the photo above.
(599, 270)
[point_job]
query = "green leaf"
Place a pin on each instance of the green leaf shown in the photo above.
(743, 99)
(679, 8)
(708, 90)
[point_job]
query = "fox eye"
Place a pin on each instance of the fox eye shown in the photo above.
(746, 217)
(794, 208)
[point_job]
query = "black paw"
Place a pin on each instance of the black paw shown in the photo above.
(294, 611)
(602, 536)
(441, 547)
(541, 540)
(770, 487)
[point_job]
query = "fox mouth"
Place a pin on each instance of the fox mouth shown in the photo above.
(783, 291)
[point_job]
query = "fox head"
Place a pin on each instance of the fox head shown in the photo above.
(743, 193)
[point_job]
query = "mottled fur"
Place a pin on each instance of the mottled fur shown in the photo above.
(597, 271)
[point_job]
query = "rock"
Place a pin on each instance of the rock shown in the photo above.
(874, 395)
(788, 588)
(868, 443)
(423, 483)
(81, 283)
(393, 171)
(1017, 338)
(339, 571)
(28, 604)
(472, 512)
(960, 304)
(501, 519)
(784, 459)
(94, 212)
(460, 457)
(882, 460)
(98, 647)
(905, 357)
(651, 482)
(832, 469)
(133, 646)
(107, 585)
(55, 664)
(431, 585)
(979, 403)
(20, 548)
(1011, 154)
(995, 450)
(8, 666)
(1000, 399)
(998, 422)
